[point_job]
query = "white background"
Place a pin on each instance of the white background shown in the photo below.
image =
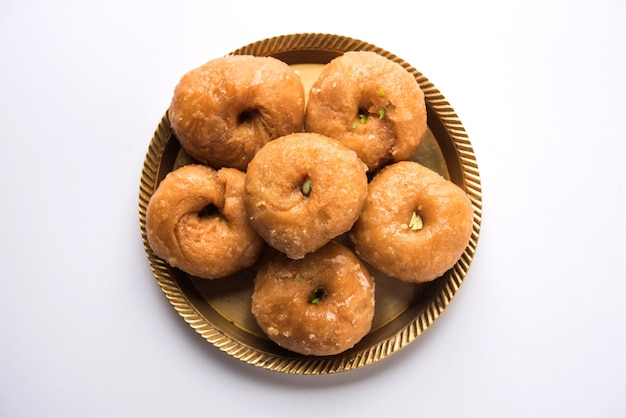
(538, 329)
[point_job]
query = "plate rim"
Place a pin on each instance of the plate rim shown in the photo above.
(468, 179)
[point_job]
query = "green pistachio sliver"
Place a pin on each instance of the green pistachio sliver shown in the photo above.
(381, 93)
(307, 186)
(298, 277)
(383, 109)
(416, 222)
(317, 294)
(363, 118)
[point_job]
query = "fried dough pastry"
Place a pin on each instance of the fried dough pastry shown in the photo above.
(302, 190)
(320, 305)
(415, 224)
(224, 111)
(195, 221)
(370, 104)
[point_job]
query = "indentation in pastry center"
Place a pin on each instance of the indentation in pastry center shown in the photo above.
(248, 116)
(362, 114)
(209, 211)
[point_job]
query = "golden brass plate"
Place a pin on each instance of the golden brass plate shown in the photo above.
(219, 310)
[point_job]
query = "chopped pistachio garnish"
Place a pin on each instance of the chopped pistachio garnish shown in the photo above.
(416, 222)
(362, 118)
(298, 277)
(381, 93)
(317, 294)
(307, 186)
(383, 109)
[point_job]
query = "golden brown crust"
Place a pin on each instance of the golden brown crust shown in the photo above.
(283, 289)
(224, 111)
(282, 214)
(361, 82)
(204, 246)
(382, 236)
